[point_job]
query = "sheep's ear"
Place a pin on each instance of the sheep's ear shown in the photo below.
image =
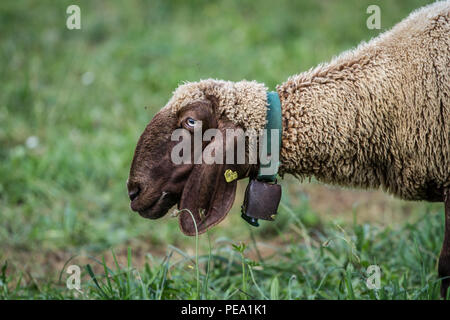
(207, 196)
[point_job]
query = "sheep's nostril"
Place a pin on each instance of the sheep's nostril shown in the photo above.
(133, 193)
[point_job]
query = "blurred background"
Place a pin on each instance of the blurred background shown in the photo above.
(74, 102)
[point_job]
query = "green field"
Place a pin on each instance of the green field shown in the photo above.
(73, 104)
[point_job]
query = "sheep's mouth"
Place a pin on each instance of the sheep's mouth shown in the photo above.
(159, 207)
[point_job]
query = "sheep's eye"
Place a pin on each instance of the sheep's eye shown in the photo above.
(190, 122)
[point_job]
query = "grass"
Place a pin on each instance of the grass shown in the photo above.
(73, 104)
(327, 264)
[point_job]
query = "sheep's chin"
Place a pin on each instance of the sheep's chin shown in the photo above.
(160, 207)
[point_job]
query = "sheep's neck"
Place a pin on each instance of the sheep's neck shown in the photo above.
(327, 129)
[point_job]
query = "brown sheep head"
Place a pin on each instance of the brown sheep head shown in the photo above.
(156, 182)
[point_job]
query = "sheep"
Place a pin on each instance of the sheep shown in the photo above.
(377, 116)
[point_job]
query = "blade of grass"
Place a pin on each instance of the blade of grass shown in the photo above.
(92, 275)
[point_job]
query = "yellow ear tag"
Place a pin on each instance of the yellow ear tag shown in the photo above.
(230, 175)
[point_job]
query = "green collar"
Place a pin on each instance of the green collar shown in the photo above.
(273, 122)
